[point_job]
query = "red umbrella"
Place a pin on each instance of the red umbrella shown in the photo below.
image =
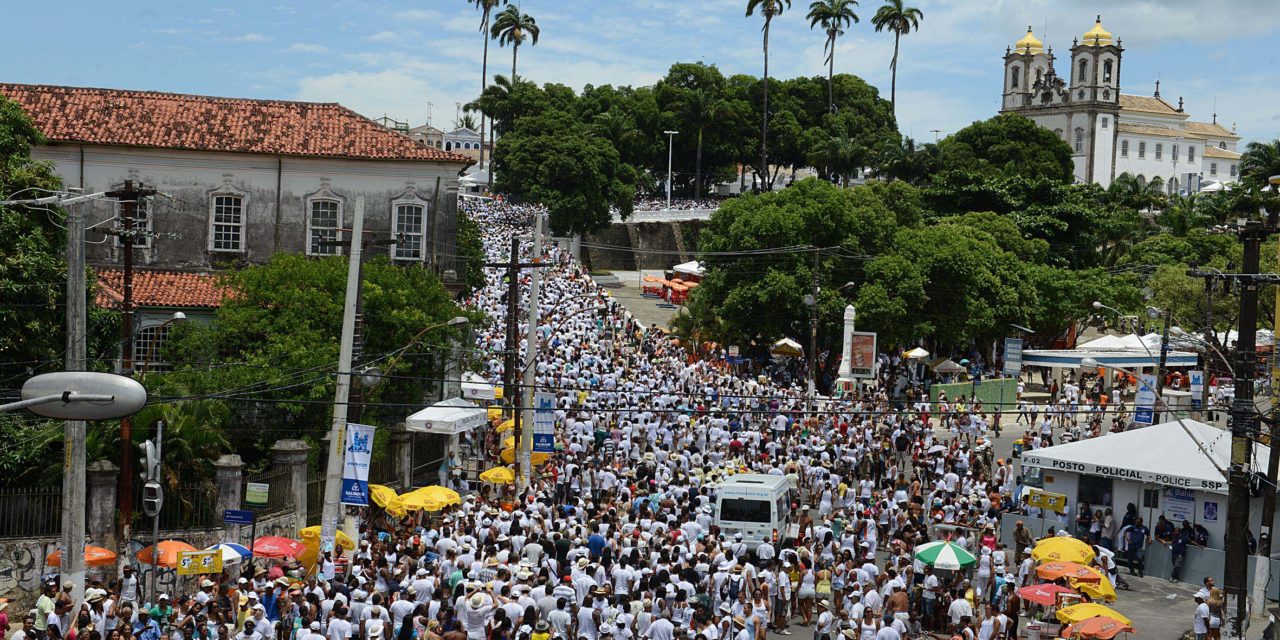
(276, 547)
(1045, 594)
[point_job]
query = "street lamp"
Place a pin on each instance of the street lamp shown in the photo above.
(670, 146)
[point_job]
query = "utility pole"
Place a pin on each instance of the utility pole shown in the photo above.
(1162, 365)
(1265, 535)
(342, 391)
(128, 197)
(1208, 343)
(525, 469)
(813, 337)
(73, 468)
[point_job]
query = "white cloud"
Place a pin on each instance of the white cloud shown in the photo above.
(383, 36)
(390, 92)
(307, 47)
(251, 37)
(419, 15)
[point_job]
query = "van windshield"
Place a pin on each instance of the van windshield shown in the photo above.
(742, 510)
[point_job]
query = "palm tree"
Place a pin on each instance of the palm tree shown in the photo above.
(466, 121)
(834, 16)
(486, 7)
(768, 9)
(840, 154)
(511, 27)
(901, 20)
(700, 108)
(1260, 161)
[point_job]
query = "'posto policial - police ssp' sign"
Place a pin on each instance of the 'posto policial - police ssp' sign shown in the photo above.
(1123, 473)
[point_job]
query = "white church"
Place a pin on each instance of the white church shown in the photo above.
(1111, 133)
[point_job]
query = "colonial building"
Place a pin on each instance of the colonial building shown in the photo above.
(1110, 132)
(242, 179)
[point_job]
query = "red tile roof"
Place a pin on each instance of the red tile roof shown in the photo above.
(202, 123)
(152, 288)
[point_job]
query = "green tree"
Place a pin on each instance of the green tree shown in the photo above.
(1259, 162)
(769, 9)
(1008, 144)
(702, 109)
(895, 16)
(466, 121)
(511, 27)
(833, 16)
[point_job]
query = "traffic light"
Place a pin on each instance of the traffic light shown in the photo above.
(152, 498)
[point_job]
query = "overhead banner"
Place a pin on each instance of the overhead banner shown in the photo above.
(1197, 389)
(355, 465)
(1012, 356)
(1171, 479)
(862, 354)
(1144, 406)
(544, 422)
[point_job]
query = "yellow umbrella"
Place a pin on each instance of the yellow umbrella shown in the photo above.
(493, 413)
(1085, 610)
(443, 495)
(508, 456)
(499, 475)
(313, 533)
(1101, 590)
(419, 501)
(506, 426)
(386, 497)
(1062, 548)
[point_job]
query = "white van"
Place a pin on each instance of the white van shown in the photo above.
(755, 505)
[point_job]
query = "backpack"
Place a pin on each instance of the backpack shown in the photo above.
(729, 590)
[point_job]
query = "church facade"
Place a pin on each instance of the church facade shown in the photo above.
(1109, 132)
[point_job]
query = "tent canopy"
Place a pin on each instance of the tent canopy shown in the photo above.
(692, 268)
(450, 417)
(946, 365)
(477, 388)
(787, 347)
(1127, 358)
(1161, 454)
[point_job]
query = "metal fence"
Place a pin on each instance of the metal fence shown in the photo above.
(192, 506)
(279, 496)
(315, 500)
(30, 511)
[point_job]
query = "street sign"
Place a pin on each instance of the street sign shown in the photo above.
(237, 516)
(1012, 356)
(544, 422)
(256, 493)
(192, 563)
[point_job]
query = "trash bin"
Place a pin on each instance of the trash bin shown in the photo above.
(1017, 448)
(1033, 630)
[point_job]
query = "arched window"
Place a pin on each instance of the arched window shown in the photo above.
(1084, 71)
(1142, 181)
(448, 145)
(1222, 145)
(1014, 77)
(1079, 140)
(1106, 72)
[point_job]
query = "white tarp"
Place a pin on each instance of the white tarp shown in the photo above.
(450, 417)
(475, 387)
(1161, 454)
(692, 268)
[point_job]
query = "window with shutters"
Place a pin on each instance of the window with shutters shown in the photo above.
(324, 227)
(226, 223)
(1124, 148)
(408, 231)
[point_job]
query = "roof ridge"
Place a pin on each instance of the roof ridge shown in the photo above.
(175, 94)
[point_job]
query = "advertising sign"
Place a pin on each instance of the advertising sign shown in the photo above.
(1012, 356)
(1144, 411)
(544, 422)
(862, 354)
(355, 465)
(256, 493)
(1179, 504)
(192, 563)
(1047, 501)
(1197, 389)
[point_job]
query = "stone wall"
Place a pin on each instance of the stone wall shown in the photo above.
(643, 245)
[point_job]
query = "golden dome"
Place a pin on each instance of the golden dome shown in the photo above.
(1097, 36)
(1029, 44)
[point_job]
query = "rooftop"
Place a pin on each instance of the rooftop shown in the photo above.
(1211, 129)
(1148, 104)
(204, 123)
(154, 288)
(1214, 152)
(1155, 130)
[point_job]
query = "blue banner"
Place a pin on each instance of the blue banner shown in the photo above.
(544, 422)
(355, 465)
(1144, 411)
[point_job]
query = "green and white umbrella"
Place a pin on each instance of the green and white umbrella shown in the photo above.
(944, 555)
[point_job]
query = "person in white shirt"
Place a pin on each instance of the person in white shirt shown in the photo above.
(1200, 622)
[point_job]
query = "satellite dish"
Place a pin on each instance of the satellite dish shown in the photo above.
(127, 395)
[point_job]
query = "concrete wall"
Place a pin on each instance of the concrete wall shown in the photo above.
(276, 192)
(644, 245)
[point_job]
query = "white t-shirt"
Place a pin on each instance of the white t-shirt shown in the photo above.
(1200, 623)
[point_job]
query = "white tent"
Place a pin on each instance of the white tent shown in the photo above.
(447, 418)
(1161, 454)
(475, 387)
(1103, 343)
(693, 268)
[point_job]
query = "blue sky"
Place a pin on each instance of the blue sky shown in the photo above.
(393, 57)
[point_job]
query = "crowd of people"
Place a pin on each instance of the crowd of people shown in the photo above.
(681, 204)
(616, 538)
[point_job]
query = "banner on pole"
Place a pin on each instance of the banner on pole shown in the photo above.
(544, 422)
(1197, 389)
(192, 563)
(355, 465)
(1012, 356)
(862, 354)
(1144, 411)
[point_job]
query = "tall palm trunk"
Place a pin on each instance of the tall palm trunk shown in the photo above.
(893, 83)
(831, 71)
(697, 169)
(515, 51)
(764, 127)
(484, 81)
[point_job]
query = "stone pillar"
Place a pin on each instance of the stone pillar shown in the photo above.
(292, 455)
(401, 454)
(228, 469)
(102, 477)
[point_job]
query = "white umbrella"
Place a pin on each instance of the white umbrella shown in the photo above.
(937, 448)
(917, 353)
